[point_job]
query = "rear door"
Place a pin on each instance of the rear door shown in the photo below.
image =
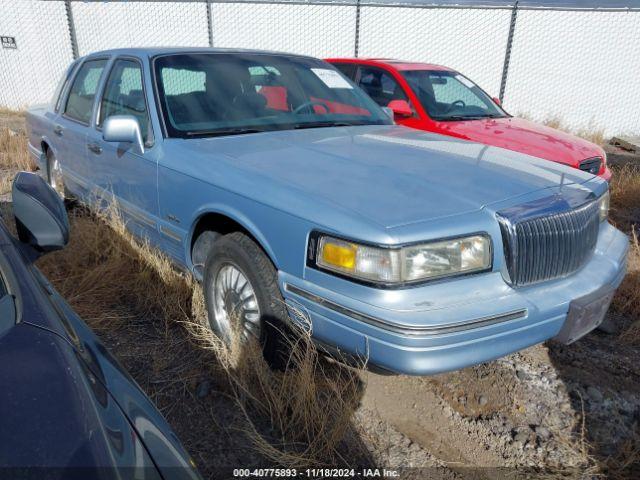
(120, 168)
(72, 125)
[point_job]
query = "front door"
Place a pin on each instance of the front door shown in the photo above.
(120, 171)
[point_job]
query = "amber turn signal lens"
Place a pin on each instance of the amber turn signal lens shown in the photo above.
(341, 255)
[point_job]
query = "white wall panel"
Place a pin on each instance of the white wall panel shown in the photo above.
(472, 41)
(29, 74)
(102, 25)
(316, 30)
(583, 67)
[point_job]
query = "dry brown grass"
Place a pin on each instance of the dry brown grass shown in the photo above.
(104, 272)
(625, 214)
(14, 157)
(294, 418)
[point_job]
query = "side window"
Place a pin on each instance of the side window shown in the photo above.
(83, 91)
(347, 69)
(124, 95)
(380, 86)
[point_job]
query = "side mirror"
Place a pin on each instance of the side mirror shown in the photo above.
(123, 129)
(400, 108)
(497, 101)
(41, 219)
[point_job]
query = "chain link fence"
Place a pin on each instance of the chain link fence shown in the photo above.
(576, 64)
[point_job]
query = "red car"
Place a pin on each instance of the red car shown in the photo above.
(441, 100)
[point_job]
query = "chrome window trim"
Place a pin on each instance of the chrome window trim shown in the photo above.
(409, 330)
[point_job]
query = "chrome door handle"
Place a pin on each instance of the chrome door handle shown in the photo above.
(58, 130)
(95, 148)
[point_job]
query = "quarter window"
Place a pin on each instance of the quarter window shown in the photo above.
(62, 86)
(124, 95)
(83, 91)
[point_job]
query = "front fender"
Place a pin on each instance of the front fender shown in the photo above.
(235, 215)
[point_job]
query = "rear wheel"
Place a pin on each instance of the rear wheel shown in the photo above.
(243, 300)
(54, 175)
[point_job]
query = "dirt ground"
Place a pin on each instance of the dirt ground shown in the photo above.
(551, 410)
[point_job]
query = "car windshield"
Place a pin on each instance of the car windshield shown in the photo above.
(448, 95)
(209, 94)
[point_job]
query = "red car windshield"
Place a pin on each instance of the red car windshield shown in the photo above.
(213, 94)
(447, 95)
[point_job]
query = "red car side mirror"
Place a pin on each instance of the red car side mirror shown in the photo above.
(400, 108)
(497, 101)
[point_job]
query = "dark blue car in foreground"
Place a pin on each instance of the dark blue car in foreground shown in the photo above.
(67, 408)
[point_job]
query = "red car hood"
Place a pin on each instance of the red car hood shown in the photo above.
(524, 136)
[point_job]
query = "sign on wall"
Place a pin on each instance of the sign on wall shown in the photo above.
(8, 42)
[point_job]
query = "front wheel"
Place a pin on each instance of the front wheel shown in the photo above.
(243, 300)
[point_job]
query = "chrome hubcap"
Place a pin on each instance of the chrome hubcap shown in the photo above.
(56, 178)
(235, 305)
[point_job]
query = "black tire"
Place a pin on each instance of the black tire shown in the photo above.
(240, 251)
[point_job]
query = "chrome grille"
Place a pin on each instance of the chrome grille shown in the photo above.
(553, 245)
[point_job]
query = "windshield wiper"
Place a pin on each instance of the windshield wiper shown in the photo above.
(223, 132)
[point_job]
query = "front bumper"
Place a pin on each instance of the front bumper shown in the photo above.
(447, 325)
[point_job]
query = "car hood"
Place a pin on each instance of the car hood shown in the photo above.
(527, 137)
(389, 175)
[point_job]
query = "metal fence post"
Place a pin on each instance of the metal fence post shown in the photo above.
(507, 53)
(72, 29)
(357, 40)
(210, 22)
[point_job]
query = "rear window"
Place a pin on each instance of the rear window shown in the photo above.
(83, 90)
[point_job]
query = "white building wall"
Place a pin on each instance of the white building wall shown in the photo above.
(29, 74)
(472, 41)
(317, 30)
(580, 66)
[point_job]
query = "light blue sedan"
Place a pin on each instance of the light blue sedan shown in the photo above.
(285, 189)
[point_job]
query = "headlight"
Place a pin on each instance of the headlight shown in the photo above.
(604, 206)
(408, 264)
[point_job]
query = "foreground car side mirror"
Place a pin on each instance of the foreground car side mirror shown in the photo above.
(41, 219)
(497, 101)
(123, 129)
(400, 108)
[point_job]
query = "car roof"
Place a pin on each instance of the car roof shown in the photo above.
(155, 51)
(394, 63)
